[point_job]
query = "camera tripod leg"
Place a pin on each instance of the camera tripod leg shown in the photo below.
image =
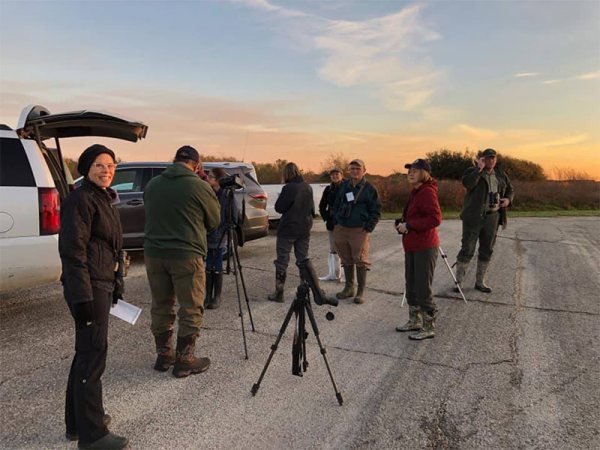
(284, 325)
(313, 323)
(456, 283)
(236, 257)
(241, 313)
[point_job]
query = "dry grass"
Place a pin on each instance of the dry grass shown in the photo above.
(529, 195)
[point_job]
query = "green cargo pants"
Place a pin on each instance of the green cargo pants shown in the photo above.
(181, 278)
(484, 231)
(418, 274)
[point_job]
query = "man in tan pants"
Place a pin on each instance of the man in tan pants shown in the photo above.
(357, 211)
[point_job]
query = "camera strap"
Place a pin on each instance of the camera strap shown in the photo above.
(359, 191)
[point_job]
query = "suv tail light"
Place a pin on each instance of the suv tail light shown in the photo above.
(49, 202)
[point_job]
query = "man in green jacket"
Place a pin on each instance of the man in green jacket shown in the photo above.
(489, 192)
(180, 209)
(356, 210)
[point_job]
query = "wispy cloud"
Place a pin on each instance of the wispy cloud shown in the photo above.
(526, 74)
(474, 132)
(583, 77)
(589, 76)
(383, 54)
(565, 141)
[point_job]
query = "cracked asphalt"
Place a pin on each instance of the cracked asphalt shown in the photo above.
(515, 369)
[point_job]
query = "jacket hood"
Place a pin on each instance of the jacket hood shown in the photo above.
(296, 179)
(431, 184)
(178, 170)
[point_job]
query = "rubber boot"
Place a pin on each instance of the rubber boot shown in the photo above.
(165, 357)
(107, 442)
(217, 283)
(482, 267)
(415, 320)
(461, 271)
(208, 291)
(277, 296)
(428, 330)
(361, 279)
(337, 264)
(73, 435)
(186, 363)
(331, 266)
(348, 290)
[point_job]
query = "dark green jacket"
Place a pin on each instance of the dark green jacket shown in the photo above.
(180, 209)
(363, 212)
(476, 197)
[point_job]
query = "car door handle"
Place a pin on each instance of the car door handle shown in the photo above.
(135, 202)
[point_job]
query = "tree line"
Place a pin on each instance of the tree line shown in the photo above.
(445, 165)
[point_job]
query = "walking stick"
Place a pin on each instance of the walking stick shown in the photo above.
(456, 283)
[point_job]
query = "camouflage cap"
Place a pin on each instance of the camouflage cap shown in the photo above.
(488, 153)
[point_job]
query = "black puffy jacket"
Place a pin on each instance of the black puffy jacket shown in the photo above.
(89, 241)
(296, 206)
(327, 204)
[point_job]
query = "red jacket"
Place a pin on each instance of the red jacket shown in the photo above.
(422, 215)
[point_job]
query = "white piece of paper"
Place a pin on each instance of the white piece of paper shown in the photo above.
(350, 196)
(126, 311)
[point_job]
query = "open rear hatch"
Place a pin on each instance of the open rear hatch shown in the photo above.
(36, 122)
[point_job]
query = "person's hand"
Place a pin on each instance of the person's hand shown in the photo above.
(481, 163)
(504, 202)
(401, 228)
(83, 312)
(119, 288)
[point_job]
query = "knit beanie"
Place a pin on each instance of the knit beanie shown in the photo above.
(89, 155)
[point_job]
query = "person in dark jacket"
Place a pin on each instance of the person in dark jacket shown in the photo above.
(327, 214)
(217, 241)
(489, 193)
(296, 206)
(180, 210)
(357, 211)
(418, 227)
(89, 244)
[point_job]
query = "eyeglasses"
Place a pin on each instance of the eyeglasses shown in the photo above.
(212, 177)
(101, 166)
(355, 168)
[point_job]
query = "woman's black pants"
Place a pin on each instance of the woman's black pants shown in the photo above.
(84, 413)
(418, 272)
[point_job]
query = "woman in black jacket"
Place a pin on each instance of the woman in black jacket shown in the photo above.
(326, 209)
(296, 206)
(217, 239)
(90, 243)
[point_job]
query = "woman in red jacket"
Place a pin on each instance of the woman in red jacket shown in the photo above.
(418, 226)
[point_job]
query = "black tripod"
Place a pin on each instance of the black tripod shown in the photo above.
(301, 306)
(236, 267)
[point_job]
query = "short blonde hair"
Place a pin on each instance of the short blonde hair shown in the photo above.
(290, 171)
(424, 176)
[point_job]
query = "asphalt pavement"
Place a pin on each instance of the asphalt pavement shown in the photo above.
(518, 368)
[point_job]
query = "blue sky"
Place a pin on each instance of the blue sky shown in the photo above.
(386, 81)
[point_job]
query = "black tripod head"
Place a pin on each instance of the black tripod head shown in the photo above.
(307, 273)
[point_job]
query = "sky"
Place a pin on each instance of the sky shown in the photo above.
(260, 80)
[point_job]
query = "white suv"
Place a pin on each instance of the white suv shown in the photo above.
(33, 181)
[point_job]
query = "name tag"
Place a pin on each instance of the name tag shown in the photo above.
(350, 196)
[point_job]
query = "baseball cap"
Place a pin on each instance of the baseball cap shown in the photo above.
(488, 152)
(187, 152)
(357, 162)
(419, 164)
(335, 169)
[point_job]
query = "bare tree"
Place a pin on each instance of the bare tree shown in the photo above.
(334, 160)
(568, 174)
